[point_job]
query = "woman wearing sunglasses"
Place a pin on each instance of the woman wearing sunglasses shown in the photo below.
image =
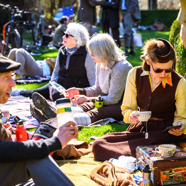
(74, 67)
(155, 87)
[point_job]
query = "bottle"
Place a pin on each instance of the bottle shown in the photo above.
(99, 102)
(146, 173)
(64, 113)
(20, 131)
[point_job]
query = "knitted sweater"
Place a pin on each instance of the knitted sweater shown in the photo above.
(110, 82)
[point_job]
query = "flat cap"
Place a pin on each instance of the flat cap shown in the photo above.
(7, 65)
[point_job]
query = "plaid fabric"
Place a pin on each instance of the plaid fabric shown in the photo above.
(36, 79)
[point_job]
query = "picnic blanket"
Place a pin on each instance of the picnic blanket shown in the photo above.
(35, 79)
(78, 170)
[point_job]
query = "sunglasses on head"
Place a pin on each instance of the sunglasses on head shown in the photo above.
(159, 70)
(67, 35)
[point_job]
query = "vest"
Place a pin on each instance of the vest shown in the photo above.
(161, 101)
(75, 75)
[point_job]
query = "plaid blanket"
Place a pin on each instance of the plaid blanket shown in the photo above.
(35, 79)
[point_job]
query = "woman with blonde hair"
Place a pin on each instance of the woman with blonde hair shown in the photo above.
(111, 73)
(157, 87)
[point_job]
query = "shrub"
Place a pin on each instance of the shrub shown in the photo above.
(176, 41)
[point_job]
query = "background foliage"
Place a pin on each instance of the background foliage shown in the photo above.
(176, 41)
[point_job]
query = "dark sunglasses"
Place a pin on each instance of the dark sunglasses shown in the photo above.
(67, 35)
(159, 70)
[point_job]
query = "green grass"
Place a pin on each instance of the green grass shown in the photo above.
(86, 133)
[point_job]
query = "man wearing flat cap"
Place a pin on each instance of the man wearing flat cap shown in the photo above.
(20, 161)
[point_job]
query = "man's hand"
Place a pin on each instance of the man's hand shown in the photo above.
(132, 118)
(71, 92)
(67, 132)
(177, 132)
(79, 99)
(183, 35)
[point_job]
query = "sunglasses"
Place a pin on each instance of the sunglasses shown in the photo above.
(67, 35)
(159, 70)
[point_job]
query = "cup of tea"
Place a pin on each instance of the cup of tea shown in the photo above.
(166, 150)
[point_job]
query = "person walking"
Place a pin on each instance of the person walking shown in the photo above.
(110, 18)
(131, 13)
(87, 12)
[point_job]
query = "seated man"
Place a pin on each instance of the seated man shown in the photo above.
(20, 161)
(60, 30)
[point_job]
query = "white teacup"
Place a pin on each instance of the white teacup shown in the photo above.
(143, 115)
(166, 150)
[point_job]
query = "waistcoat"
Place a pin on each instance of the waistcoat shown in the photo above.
(161, 101)
(75, 75)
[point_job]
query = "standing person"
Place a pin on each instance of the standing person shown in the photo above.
(182, 19)
(111, 73)
(110, 18)
(131, 13)
(20, 161)
(29, 66)
(74, 67)
(157, 87)
(87, 12)
(60, 30)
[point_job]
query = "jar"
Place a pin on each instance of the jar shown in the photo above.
(64, 113)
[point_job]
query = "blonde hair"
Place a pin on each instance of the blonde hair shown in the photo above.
(103, 47)
(79, 32)
(51, 63)
(149, 54)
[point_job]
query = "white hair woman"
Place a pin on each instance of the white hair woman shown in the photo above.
(74, 66)
(111, 73)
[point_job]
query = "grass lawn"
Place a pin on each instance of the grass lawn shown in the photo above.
(85, 133)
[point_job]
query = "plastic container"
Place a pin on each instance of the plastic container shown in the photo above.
(64, 113)
(21, 134)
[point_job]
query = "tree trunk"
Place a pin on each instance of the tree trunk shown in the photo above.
(152, 4)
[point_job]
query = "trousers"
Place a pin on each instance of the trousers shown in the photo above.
(128, 33)
(44, 172)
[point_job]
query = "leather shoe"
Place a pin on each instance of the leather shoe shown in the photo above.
(37, 114)
(132, 53)
(42, 104)
(126, 53)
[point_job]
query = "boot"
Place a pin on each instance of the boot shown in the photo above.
(42, 104)
(36, 113)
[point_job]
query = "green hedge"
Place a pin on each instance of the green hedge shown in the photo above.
(176, 41)
(148, 16)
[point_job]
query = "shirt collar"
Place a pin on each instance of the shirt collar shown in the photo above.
(167, 80)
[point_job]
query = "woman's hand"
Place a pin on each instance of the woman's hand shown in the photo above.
(51, 89)
(132, 118)
(177, 132)
(71, 92)
(79, 99)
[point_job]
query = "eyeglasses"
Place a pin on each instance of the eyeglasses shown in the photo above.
(159, 70)
(67, 35)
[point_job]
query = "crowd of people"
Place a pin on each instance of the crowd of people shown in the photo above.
(154, 86)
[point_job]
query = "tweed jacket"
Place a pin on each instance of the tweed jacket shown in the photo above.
(86, 10)
(133, 9)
